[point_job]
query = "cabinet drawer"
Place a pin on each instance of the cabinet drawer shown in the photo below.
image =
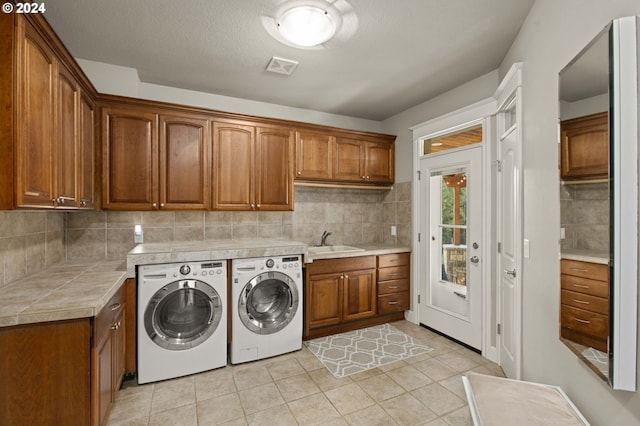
(105, 317)
(396, 259)
(586, 322)
(393, 302)
(585, 285)
(585, 301)
(594, 271)
(393, 286)
(328, 266)
(394, 273)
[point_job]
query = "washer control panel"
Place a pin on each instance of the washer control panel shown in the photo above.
(201, 269)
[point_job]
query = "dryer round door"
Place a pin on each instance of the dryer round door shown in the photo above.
(268, 302)
(183, 314)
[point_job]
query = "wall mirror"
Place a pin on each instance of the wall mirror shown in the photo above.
(599, 204)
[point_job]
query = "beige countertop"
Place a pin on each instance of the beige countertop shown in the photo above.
(585, 255)
(369, 250)
(80, 289)
(147, 254)
(67, 290)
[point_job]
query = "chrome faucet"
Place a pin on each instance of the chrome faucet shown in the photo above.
(323, 239)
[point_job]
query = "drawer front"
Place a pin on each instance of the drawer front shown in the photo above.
(393, 286)
(594, 271)
(105, 317)
(394, 273)
(329, 266)
(585, 301)
(396, 259)
(586, 322)
(584, 285)
(393, 302)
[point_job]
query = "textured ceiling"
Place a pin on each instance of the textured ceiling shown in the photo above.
(402, 52)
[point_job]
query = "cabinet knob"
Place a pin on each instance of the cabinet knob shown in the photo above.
(253, 206)
(363, 177)
(346, 277)
(161, 205)
(368, 177)
(299, 173)
(258, 206)
(154, 205)
(83, 203)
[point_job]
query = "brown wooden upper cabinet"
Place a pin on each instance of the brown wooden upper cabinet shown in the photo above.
(154, 161)
(584, 147)
(253, 167)
(339, 158)
(47, 117)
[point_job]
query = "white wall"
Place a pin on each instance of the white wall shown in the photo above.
(476, 90)
(117, 80)
(552, 34)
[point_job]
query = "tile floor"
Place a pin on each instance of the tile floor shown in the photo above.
(296, 388)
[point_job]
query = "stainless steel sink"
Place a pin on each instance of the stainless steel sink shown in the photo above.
(333, 249)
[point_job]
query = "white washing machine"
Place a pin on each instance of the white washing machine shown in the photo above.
(182, 319)
(267, 307)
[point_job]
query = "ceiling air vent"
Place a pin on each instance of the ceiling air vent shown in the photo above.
(281, 66)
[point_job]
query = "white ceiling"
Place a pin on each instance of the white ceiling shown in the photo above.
(402, 53)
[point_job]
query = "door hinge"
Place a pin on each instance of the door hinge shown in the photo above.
(418, 237)
(419, 175)
(499, 247)
(498, 164)
(418, 299)
(499, 329)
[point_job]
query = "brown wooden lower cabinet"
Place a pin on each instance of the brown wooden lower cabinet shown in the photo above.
(342, 294)
(63, 372)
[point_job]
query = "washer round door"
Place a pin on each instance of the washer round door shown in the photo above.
(268, 302)
(183, 314)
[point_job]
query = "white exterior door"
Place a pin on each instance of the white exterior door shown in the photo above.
(451, 186)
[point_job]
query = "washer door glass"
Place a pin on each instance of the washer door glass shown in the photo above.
(268, 302)
(183, 314)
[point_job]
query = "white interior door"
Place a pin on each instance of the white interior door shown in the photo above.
(451, 223)
(509, 271)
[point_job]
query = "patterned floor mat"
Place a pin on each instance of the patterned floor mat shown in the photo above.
(348, 353)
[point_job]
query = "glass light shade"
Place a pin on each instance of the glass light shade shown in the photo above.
(306, 26)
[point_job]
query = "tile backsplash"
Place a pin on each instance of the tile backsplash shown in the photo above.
(584, 214)
(31, 240)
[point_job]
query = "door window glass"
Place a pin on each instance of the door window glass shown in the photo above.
(457, 139)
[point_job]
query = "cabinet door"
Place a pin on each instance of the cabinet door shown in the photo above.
(324, 301)
(185, 163)
(274, 169)
(130, 159)
(379, 162)
(233, 174)
(35, 130)
(314, 155)
(349, 159)
(118, 352)
(359, 294)
(67, 140)
(86, 157)
(102, 379)
(584, 147)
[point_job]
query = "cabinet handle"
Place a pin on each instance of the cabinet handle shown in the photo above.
(394, 274)
(579, 270)
(393, 286)
(393, 303)
(582, 321)
(115, 306)
(581, 301)
(581, 286)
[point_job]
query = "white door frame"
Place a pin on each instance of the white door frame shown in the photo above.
(479, 112)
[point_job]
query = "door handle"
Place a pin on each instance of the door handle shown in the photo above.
(510, 273)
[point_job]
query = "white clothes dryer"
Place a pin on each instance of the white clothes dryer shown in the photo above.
(182, 319)
(266, 294)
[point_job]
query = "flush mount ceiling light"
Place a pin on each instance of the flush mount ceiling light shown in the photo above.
(306, 25)
(311, 24)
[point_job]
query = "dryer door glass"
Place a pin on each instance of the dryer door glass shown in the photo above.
(268, 303)
(183, 314)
